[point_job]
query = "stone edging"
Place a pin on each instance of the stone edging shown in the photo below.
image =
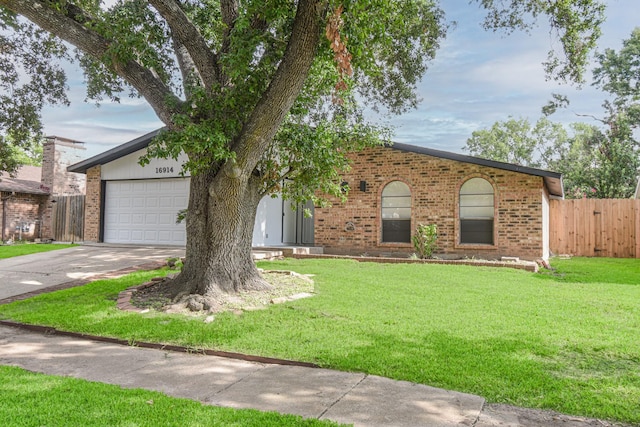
(527, 266)
(124, 297)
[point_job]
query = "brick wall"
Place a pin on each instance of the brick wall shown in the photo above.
(435, 185)
(92, 205)
(21, 215)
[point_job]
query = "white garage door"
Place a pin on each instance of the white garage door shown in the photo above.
(145, 211)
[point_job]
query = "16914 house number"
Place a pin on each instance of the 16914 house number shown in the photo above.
(164, 169)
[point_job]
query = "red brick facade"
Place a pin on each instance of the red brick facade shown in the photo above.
(21, 215)
(93, 205)
(355, 227)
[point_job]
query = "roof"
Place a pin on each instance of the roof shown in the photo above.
(12, 185)
(25, 172)
(115, 153)
(27, 180)
(552, 180)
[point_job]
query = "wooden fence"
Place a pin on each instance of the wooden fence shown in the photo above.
(595, 227)
(68, 218)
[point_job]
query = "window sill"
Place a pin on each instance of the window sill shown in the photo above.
(482, 246)
(395, 244)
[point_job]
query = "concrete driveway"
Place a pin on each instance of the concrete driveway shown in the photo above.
(34, 272)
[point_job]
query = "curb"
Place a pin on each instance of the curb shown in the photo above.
(47, 330)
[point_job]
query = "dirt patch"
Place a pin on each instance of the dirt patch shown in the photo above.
(497, 415)
(285, 286)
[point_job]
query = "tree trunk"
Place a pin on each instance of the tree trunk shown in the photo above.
(220, 224)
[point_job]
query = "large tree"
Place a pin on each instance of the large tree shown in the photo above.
(603, 161)
(595, 162)
(263, 96)
(517, 141)
(12, 155)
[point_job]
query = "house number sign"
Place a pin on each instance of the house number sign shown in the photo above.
(164, 169)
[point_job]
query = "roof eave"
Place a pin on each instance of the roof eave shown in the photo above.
(552, 180)
(115, 153)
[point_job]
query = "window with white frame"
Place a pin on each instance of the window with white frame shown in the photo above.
(396, 212)
(476, 212)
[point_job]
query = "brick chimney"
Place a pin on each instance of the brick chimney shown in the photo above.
(57, 154)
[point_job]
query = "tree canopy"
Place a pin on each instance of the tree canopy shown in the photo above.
(13, 156)
(262, 95)
(597, 161)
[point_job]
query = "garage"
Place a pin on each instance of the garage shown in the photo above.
(145, 211)
(132, 203)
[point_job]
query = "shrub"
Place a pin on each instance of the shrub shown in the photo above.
(424, 241)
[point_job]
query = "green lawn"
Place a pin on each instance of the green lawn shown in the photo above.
(30, 399)
(9, 251)
(566, 340)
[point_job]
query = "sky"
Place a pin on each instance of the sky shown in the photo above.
(477, 78)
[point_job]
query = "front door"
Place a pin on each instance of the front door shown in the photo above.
(297, 229)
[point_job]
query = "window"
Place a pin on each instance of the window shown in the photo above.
(476, 212)
(396, 212)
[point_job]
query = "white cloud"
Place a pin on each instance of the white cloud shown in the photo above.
(477, 78)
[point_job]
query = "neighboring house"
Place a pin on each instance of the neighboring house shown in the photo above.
(24, 199)
(28, 198)
(482, 207)
(637, 195)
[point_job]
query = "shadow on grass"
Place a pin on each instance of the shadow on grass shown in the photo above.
(508, 371)
(623, 271)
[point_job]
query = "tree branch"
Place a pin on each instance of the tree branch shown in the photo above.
(229, 9)
(592, 117)
(187, 35)
(187, 67)
(67, 25)
(287, 82)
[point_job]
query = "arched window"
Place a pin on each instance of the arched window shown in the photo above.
(396, 212)
(476, 212)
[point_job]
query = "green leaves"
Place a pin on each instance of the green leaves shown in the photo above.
(305, 162)
(424, 240)
(30, 78)
(391, 43)
(576, 24)
(516, 141)
(618, 73)
(207, 107)
(595, 162)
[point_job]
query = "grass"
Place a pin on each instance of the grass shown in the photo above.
(30, 399)
(566, 340)
(9, 251)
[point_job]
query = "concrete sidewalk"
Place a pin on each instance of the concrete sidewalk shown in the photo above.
(356, 398)
(350, 398)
